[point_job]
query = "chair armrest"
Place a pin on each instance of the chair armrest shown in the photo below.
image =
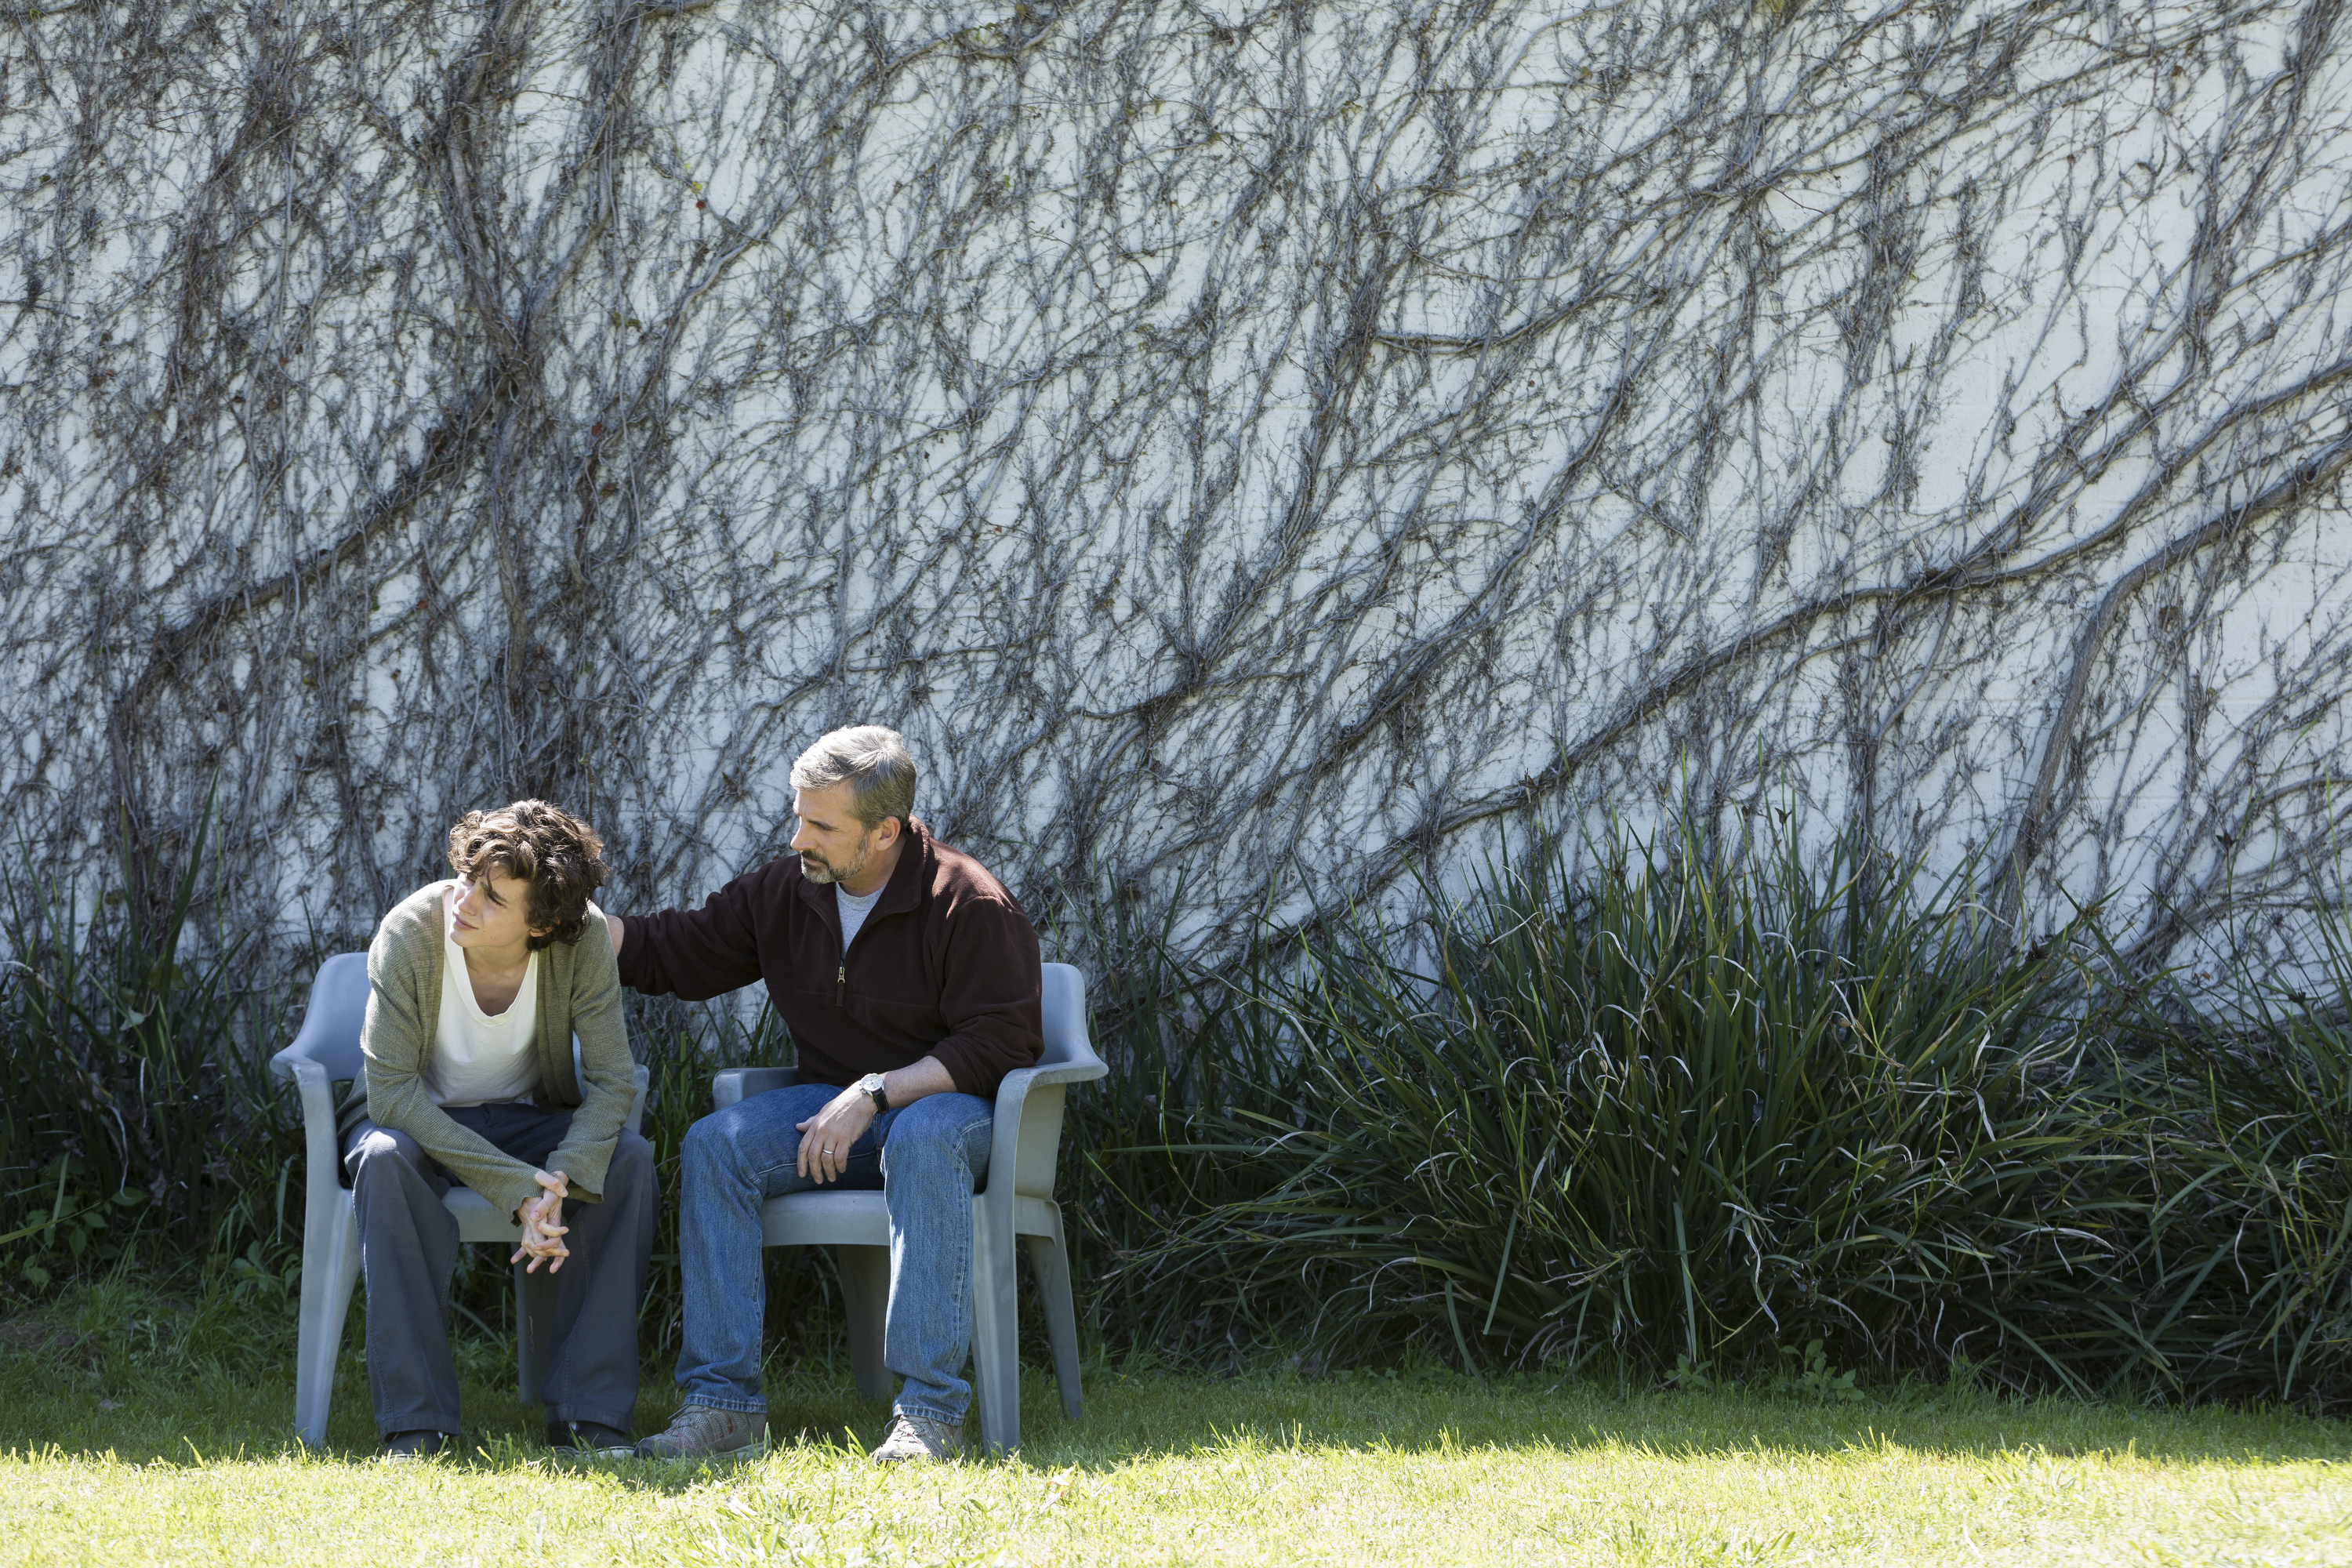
(1005, 1145)
(637, 1101)
(1020, 1080)
(731, 1085)
(289, 1062)
(320, 1185)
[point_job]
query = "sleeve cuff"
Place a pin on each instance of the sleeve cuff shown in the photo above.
(511, 1197)
(960, 1066)
(585, 1176)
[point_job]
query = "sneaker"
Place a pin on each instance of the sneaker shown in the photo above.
(588, 1440)
(402, 1447)
(707, 1432)
(920, 1438)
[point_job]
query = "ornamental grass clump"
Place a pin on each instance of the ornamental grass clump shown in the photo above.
(2245, 1274)
(1680, 1113)
(1189, 1052)
(131, 1108)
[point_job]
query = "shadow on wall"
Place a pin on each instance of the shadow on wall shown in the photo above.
(1243, 456)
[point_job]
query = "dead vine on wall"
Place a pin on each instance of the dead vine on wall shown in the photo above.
(1247, 450)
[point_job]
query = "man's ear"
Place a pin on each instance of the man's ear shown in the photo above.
(886, 832)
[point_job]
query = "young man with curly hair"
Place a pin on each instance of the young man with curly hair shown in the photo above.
(478, 987)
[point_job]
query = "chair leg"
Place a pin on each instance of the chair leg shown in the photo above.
(995, 1336)
(865, 1301)
(1051, 1258)
(330, 1266)
(534, 1330)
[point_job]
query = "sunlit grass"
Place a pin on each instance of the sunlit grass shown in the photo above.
(105, 1458)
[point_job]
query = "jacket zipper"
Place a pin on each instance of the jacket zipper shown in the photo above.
(841, 973)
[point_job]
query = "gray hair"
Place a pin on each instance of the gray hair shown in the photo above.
(871, 760)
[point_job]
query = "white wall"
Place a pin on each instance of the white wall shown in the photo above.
(1253, 454)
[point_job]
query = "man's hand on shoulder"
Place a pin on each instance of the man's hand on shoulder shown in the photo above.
(613, 930)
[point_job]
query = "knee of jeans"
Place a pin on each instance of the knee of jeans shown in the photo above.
(702, 1148)
(709, 1149)
(937, 1143)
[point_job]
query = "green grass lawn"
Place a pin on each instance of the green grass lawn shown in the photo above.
(127, 1437)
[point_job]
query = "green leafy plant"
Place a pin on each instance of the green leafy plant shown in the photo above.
(267, 1278)
(1811, 1376)
(75, 1225)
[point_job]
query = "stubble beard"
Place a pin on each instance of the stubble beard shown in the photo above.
(818, 870)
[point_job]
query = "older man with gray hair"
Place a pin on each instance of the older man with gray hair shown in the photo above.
(910, 980)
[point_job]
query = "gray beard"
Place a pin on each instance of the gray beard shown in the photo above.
(824, 876)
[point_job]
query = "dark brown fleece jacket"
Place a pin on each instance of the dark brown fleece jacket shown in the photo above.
(945, 965)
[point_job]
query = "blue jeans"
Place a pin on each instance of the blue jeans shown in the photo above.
(928, 1157)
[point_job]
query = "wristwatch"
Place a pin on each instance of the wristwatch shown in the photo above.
(872, 1084)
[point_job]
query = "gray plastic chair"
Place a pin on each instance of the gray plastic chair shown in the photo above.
(326, 1050)
(1018, 1201)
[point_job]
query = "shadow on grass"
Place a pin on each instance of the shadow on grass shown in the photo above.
(1179, 1416)
(117, 1368)
(201, 1412)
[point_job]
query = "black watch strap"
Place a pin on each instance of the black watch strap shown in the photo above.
(872, 1085)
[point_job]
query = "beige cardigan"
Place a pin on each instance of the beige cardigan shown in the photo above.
(579, 992)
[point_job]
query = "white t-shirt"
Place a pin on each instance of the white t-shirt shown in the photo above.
(853, 910)
(478, 1059)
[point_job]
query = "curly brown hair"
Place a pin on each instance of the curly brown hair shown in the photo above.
(558, 855)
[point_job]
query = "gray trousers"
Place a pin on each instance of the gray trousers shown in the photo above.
(408, 1248)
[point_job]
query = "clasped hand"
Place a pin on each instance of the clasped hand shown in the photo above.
(543, 1224)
